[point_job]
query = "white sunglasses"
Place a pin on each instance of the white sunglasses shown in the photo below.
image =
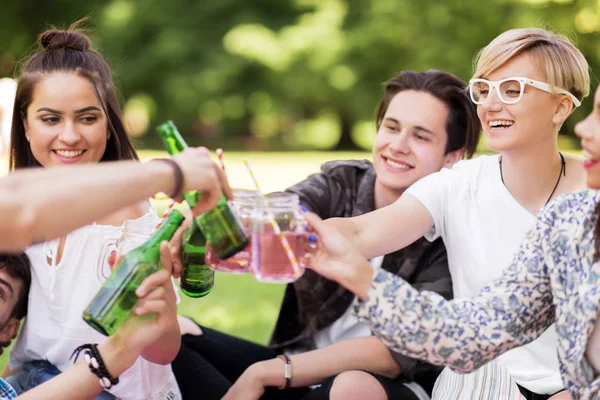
(510, 90)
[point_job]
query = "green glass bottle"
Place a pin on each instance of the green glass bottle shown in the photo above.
(221, 227)
(197, 278)
(116, 298)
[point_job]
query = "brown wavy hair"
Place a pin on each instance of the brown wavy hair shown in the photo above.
(67, 51)
(463, 126)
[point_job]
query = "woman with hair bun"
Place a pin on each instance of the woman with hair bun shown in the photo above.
(66, 113)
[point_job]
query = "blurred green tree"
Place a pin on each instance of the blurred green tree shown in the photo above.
(266, 74)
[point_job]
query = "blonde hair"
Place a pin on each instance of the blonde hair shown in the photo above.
(561, 63)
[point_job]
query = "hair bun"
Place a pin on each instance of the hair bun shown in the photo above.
(57, 39)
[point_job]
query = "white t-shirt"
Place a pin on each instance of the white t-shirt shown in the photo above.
(482, 226)
(61, 291)
(347, 326)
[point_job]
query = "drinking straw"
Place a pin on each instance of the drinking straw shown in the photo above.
(222, 164)
(221, 160)
(165, 213)
(275, 225)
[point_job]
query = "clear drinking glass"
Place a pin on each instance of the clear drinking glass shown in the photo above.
(134, 235)
(270, 262)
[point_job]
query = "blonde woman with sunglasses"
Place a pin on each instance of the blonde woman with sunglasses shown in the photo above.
(527, 83)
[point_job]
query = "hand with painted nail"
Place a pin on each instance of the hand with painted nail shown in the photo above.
(311, 242)
(337, 259)
(156, 310)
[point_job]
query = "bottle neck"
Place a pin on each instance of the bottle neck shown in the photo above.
(175, 144)
(171, 137)
(167, 229)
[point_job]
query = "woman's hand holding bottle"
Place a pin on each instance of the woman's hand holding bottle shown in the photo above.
(200, 172)
(138, 333)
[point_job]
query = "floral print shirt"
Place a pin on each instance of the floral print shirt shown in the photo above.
(554, 278)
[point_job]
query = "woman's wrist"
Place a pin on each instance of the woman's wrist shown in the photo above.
(116, 356)
(359, 281)
(161, 175)
(268, 373)
(177, 176)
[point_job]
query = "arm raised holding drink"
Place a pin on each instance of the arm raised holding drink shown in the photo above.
(32, 202)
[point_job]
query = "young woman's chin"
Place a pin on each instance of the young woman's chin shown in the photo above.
(500, 144)
(593, 181)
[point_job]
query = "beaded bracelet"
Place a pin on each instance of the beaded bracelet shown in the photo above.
(94, 360)
(178, 175)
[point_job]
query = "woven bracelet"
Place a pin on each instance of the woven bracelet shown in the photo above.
(96, 363)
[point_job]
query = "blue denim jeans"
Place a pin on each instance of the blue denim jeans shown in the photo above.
(35, 373)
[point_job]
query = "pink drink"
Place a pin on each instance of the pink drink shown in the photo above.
(236, 264)
(270, 262)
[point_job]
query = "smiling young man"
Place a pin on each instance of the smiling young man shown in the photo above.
(425, 122)
(15, 278)
(117, 352)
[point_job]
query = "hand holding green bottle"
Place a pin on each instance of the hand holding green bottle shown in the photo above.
(156, 297)
(117, 297)
(220, 226)
(199, 171)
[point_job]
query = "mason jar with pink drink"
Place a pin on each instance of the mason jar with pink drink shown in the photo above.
(278, 257)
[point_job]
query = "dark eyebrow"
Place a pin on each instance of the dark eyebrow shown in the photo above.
(417, 127)
(85, 109)
(423, 129)
(50, 110)
(8, 285)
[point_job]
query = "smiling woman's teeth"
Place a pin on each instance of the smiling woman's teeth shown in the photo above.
(69, 153)
(396, 165)
(500, 123)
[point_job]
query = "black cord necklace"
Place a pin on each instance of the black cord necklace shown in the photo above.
(563, 171)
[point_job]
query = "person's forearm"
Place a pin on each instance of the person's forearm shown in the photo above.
(346, 227)
(78, 382)
(463, 334)
(387, 229)
(34, 203)
(166, 348)
(313, 367)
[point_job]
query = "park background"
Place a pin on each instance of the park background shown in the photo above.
(287, 84)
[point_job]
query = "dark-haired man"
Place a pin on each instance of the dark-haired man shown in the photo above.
(118, 352)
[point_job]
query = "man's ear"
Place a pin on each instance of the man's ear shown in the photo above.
(453, 157)
(10, 330)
